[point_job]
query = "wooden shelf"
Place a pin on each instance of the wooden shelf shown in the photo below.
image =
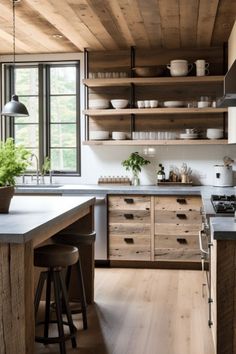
(156, 142)
(128, 111)
(146, 81)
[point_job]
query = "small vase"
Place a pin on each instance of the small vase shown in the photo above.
(135, 180)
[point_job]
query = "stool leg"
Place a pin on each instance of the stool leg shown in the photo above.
(47, 307)
(68, 312)
(82, 295)
(56, 283)
(42, 278)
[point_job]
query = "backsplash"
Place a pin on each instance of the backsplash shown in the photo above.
(106, 161)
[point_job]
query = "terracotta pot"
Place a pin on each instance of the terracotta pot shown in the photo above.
(6, 193)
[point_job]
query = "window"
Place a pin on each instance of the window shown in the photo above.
(51, 95)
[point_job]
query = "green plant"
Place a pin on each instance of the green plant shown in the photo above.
(134, 163)
(46, 166)
(14, 161)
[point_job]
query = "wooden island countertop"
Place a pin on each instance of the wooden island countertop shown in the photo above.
(31, 221)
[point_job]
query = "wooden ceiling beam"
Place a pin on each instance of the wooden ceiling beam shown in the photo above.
(20, 46)
(224, 22)
(152, 21)
(64, 19)
(133, 16)
(206, 20)
(188, 22)
(109, 21)
(170, 22)
(28, 30)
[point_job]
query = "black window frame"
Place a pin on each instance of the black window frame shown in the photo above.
(44, 107)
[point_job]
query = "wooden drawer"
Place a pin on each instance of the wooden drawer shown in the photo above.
(129, 202)
(129, 248)
(174, 254)
(129, 216)
(178, 217)
(178, 202)
(132, 229)
(178, 242)
(177, 229)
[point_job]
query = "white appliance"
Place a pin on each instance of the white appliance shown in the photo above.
(223, 176)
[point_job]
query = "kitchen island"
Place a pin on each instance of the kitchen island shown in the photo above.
(31, 221)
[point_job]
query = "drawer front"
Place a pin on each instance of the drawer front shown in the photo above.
(129, 202)
(177, 229)
(129, 216)
(178, 217)
(129, 248)
(177, 241)
(178, 203)
(173, 254)
(132, 229)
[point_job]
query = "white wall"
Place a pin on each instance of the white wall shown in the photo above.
(99, 161)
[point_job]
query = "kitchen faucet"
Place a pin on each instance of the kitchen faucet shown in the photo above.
(37, 167)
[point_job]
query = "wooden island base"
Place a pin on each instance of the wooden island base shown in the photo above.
(31, 221)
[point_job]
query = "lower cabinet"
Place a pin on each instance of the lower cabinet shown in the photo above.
(178, 221)
(129, 228)
(154, 228)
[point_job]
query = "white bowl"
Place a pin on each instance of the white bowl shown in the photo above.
(99, 103)
(174, 104)
(99, 135)
(214, 133)
(118, 135)
(119, 103)
(203, 104)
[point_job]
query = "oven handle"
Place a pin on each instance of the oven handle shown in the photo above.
(200, 243)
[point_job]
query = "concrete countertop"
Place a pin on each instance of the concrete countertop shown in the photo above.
(30, 215)
(95, 189)
(223, 228)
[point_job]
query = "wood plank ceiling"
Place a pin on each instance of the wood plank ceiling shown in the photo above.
(54, 26)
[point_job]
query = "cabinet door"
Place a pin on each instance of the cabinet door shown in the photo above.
(129, 228)
(177, 223)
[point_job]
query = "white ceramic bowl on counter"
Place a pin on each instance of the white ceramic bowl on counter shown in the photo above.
(214, 133)
(99, 103)
(119, 103)
(99, 135)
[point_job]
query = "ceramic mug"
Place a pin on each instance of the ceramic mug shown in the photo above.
(179, 67)
(202, 67)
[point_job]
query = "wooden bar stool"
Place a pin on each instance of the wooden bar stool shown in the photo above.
(77, 240)
(55, 257)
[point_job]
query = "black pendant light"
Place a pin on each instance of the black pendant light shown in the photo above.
(14, 108)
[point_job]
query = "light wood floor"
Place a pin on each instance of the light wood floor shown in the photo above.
(144, 311)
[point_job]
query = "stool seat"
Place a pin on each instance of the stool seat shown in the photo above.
(55, 255)
(75, 239)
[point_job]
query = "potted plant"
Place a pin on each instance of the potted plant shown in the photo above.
(134, 163)
(14, 161)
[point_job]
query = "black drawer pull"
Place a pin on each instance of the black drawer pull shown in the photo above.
(129, 216)
(129, 240)
(182, 241)
(129, 200)
(181, 200)
(181, 216)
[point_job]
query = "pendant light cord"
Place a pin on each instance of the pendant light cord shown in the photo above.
(14, 33)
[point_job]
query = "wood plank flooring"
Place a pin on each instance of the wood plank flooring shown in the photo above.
(144, 311)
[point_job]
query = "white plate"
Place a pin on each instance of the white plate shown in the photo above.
(188, 136)
(174, 104)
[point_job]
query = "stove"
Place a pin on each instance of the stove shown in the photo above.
(224, 204)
